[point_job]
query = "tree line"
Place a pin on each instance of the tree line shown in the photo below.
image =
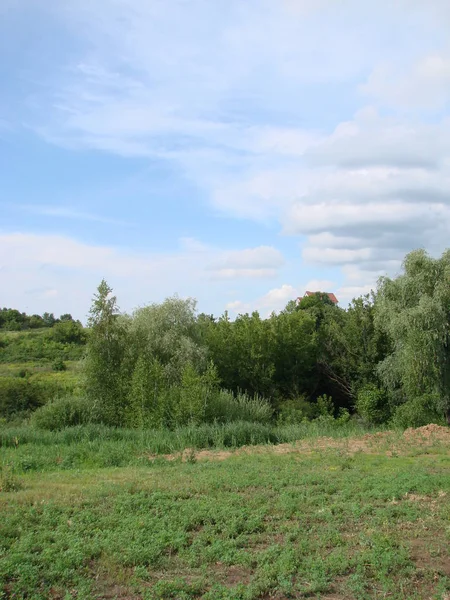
(12, 319)
(386, 357)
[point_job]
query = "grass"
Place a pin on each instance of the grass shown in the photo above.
(329, 524)
(97, 446)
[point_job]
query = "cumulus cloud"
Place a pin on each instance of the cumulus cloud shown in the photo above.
(247, 106)
(276, 299)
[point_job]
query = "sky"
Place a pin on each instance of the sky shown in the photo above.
(236, 151)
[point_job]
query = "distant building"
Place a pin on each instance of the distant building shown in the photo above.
(330, 295)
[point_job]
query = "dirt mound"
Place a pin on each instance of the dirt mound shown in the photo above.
(427, 432)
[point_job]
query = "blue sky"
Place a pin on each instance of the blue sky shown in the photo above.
(237, 151)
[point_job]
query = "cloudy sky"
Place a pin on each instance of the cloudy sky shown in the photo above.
(237, 151)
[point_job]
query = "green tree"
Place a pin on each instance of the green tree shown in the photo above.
(106, 381)
(65, 317)
(169, 333)
(48, 319)
(414, 311)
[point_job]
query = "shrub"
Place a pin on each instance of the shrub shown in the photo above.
(325, 406)
(63, 412)
(22, 395)
(417, 412)
(9, 482)
(69, 332)
(59, 365)
(291, 412)
(19, 395)
(373, 404)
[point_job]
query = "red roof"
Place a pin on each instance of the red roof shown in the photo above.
(330, 295)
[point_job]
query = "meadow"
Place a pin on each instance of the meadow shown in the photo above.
(350, 516)
(168, 454)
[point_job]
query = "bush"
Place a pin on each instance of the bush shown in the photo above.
(9, 482)
(63, 412)
(59, 365)
(69, 332)
(298, 410)
(225, 407)
(325, 406)
(19, 395)
(417, 412)
(373, 404)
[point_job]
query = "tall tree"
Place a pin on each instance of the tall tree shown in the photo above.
(106, 352)
(414, 310)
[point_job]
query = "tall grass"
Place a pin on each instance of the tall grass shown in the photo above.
(94, 446)
(225, 407)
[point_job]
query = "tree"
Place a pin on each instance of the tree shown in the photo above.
(65, 317)
(106, 383)
(414, 311)
(48, 319)
(169, 333)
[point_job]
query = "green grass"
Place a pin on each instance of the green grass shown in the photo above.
(326, 524)
(29, 449)
(33, 368)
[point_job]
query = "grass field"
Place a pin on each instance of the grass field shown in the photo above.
(365, 517)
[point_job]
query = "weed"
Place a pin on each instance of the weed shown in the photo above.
(9, 482)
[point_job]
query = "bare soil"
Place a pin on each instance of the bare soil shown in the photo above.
(388, 442)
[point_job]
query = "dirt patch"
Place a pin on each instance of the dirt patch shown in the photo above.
(230, 575)
(428, 433)
(428, 557)
(387, 441)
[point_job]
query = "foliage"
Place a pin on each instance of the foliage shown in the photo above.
(225, 407)
(60, 413)
(414, 310)
(295, 410)
(373, 404)
(22, 395)
(166, 366)
(69, 332)
(105, 358)
(26, 346)
(417, 412)
(59, 365)
(12, 319)
(9, 482)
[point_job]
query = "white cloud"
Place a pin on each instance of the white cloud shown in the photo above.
(263, 261)
(250, 108)
(276, 299)
(70, 213)
(60, 274)
(426, 84)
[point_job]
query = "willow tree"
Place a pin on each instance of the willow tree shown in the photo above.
(414, 310)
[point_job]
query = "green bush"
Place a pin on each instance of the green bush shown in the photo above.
(373, 404)
(19, 395)
(23, 395)
(417, 412)
(324, 406)
(63, 412)
(59, 365)
(296, 410)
